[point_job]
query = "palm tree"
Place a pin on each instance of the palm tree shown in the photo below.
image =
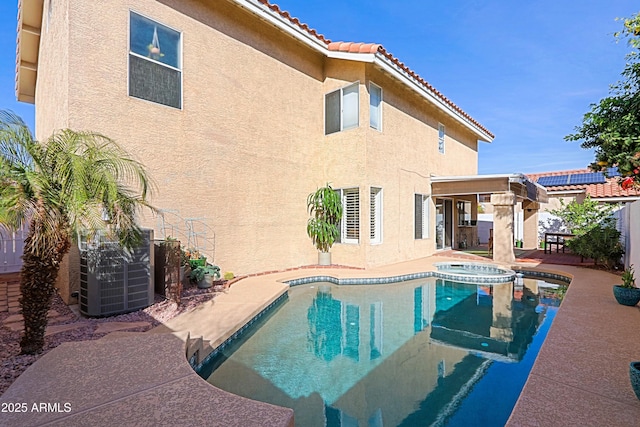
(73, 183)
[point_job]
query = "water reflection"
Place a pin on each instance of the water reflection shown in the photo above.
(403, 354)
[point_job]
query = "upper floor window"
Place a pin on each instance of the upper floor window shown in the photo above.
(375, 106)
(341, 109)
(441, 138)
(154, 62)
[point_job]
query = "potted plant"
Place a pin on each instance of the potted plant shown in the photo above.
(325, 208)
(204, 276)
(196, 259)
(627, 293)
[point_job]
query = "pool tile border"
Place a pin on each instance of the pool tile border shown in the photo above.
(544, 274)
(400, 278)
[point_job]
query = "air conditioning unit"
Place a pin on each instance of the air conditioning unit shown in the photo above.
(113, 280)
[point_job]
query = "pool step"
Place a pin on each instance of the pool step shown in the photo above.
(197, 350)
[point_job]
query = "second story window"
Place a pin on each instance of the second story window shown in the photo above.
(441, 138)
(155, 72)
(341, 109)
(375, 106)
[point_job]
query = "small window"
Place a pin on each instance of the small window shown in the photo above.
(421, 219)
(375, 106)
(375, 215)
(350, 223)
(341, 109)
(49, 15)
(441, 138)
(154, 62)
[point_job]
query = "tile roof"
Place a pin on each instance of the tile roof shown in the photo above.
(609, 189)
(372, 48)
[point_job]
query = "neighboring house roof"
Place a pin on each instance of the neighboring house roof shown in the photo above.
(30, 18)
(604, 188)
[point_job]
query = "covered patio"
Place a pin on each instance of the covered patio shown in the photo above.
(461, 194)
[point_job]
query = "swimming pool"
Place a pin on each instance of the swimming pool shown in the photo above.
(422, 352)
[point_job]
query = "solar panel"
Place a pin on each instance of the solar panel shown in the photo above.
(612, 172)
(587, 178)
(552, 181)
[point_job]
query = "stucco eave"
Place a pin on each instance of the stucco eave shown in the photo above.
(27, 49)
(259, 9)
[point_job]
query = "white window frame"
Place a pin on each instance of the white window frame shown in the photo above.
(425, 216)
(372, 87)
(180, 60)
(344, 197)
(441, 138)
(375, 215)
(341, 108)
(49, 14)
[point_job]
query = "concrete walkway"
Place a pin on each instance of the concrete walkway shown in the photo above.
(579, 378)
(129, 379)
(581, 375)
(217, 319)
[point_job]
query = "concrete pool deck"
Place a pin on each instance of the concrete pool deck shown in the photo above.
(579, 378)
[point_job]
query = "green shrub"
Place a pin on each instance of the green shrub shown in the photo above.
(197, 274)
(601, 243)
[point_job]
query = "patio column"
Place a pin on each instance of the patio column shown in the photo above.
(501, 327)
(530, 226)
(503, 204)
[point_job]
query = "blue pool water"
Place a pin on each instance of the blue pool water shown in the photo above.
(417, 353)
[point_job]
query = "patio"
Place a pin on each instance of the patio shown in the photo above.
(538, 256)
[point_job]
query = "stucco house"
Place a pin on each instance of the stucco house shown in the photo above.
(240, 110)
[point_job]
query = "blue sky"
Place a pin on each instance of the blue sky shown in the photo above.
(527, 71)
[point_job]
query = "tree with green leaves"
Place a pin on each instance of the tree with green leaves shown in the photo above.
(612, 126)
(72, 183)
(595, 229)
(325, 207)
(579, 218)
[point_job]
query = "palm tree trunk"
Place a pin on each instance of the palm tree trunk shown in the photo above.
(40, 268)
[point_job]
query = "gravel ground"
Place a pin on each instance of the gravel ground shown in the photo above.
(12, 363)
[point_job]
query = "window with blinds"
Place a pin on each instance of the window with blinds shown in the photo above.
(421, 216)
(341, 109)
(350, 222)
(375, 215)
(375, 106)
(350, 215)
